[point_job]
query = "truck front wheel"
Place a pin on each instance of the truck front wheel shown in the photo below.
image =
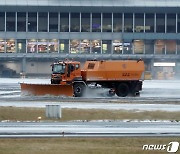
(122, 90)
(79, 89)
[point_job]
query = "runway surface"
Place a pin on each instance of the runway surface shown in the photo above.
(155, 96)
(10, 88)
(89, 129)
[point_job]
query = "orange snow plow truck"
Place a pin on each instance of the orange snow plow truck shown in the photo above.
(122, 77)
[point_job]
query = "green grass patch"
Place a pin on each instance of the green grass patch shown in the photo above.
(81, 145)
(25, 114)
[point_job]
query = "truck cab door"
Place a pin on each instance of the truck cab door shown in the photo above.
(70, 70)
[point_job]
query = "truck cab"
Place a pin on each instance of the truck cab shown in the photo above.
(65, 72)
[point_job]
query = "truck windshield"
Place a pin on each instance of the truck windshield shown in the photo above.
(59, 68)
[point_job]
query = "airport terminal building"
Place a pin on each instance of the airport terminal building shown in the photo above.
(34, 33)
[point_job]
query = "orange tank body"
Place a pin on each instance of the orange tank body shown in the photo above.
(112, 70)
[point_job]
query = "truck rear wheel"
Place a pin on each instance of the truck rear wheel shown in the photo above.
(122, 90)
(79, 89)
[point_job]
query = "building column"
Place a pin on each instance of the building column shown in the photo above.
(152, 68)
(23, 66)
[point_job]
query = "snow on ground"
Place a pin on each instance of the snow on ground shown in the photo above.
(10, 95)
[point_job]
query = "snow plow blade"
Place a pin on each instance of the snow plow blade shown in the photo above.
(47, 89)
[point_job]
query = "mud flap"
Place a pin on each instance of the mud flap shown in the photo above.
(46, 89)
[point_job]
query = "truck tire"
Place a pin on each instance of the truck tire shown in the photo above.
(122, 90)
(78, 89)
(55, 82)
(52, 82)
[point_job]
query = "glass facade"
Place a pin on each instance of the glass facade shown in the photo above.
(63, 23)
(32, 46)
(2, 21)
(53, 22)
(42, 22)
(75, 22)
(74, 46)
(89, 22)
(96, 46)
(160, 46)
(171, 23)
(63, 46)
(32, 22)
(178, 47)
(149, 46)
(117, 22)
(127, 47)
(96, 22)
(86, 46)
(21, 46)
(21, 21)
(10, 21)
(42, 45)
(53, 45)
(106, 46)
(149, 23)
(170, 47)
(2, 46)
(138, 46)
(107, 22)
(178, 23)
(139, 23)
(128, 22)
(10, 46)
(117, 47)
(85, 22)
(160, 23)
